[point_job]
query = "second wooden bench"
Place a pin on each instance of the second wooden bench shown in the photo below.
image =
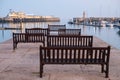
(70, 40)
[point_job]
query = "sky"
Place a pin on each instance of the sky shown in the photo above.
(63, 8)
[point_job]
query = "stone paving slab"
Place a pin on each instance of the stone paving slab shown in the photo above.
(23, 64)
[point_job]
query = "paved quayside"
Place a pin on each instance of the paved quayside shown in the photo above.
(23, 64)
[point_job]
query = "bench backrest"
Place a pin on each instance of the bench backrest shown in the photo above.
(24, 37)
(56, 27)
(37, 30)
(70, 40)
(69, 32)
(74, 55)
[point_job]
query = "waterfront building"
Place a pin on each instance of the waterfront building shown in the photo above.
(13, 16)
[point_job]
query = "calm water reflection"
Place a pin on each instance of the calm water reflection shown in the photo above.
(110, 35)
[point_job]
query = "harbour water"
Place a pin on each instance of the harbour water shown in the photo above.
(111, 35)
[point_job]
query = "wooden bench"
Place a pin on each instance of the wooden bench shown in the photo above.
(69, 32)
(54, 28)
(37, 30)
(76, 55)
(70, 40)
(27, 38)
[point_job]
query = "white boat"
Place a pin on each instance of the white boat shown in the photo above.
(109, 25)
(103, 23)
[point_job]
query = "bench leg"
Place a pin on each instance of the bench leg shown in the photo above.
(41, 70)
(107, 71)
(102, 68)
(105, 68)
(14, 46)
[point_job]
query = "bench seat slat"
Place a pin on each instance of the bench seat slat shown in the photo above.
(74, 61)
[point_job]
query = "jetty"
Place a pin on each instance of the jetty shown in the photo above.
(23, 64)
